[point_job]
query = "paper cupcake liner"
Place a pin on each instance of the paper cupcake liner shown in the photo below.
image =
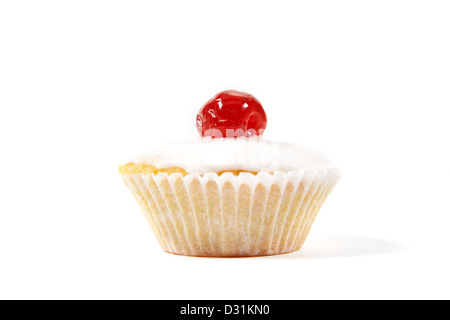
(230, 216)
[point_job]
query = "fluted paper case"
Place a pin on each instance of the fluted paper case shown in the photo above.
(232, 216)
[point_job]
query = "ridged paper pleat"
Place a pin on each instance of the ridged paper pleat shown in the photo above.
(228, 215)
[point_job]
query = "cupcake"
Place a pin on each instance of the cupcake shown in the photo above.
(230, 193)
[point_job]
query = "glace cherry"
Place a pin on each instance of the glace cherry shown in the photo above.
(231, 114)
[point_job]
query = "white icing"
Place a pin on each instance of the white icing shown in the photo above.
(250, 154)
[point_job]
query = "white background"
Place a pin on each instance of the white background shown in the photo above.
(86, 84)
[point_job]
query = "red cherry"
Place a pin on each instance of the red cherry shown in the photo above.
(231, 114)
